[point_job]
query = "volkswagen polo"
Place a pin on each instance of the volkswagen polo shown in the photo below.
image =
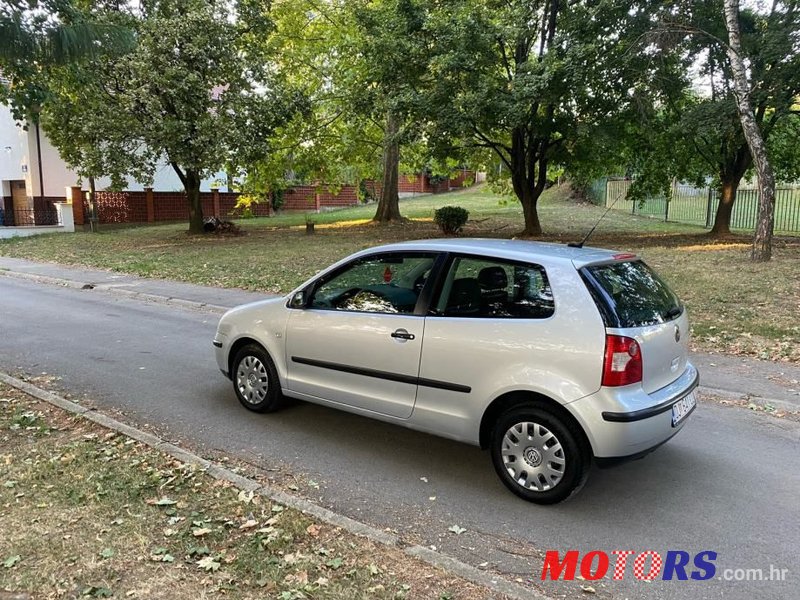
(549, 356)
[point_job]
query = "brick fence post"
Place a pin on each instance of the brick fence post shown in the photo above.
(317, 203)
(150, 204)
(76, 195)
(215, 201)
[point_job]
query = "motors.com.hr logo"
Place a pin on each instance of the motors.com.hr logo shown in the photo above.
(675, 565)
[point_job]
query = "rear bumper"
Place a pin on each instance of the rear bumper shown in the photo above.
(626, 423)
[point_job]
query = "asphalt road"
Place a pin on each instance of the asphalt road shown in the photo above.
(729, 482)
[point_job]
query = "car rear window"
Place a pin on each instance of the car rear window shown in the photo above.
(630, 294)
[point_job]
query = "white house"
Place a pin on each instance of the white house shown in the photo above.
(32, 169)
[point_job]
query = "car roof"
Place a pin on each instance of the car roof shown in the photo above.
(521, 250)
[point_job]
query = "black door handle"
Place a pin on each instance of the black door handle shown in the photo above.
(402, 334)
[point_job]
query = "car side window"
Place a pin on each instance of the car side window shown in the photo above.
(486, 288)
(386, 283)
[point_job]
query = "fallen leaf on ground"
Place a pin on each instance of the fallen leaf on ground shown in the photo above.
(11, 561)
(161, 501)
(208, 564)
(456, 529)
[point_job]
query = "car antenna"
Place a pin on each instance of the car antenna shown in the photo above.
(591, 231)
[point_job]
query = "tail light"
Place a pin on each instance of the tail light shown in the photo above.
(623, 361)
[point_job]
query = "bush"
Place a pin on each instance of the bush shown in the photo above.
(245, 205)
(277, 199)
(366, 192)
(450, 219)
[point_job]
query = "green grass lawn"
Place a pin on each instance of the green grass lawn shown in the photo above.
(736, 306)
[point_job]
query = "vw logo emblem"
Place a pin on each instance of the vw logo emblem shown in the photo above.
(677, 333)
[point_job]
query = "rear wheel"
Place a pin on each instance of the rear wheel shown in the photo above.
(255, 379)
(539, 456)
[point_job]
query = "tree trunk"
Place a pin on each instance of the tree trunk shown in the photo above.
(762, 240)
(528, 176)
(730, 176)
(192, 186)
(93, 220)
(530, 212)
(722, 220)
(389, 203)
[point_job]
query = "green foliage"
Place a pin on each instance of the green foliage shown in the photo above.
(500, 185)
(36, 35)
(450, 219)
(92, 136)
(277, 199)
(244, 204)
(365, 191)
(199, 91)
(331, 139)
(783, 148)
(697, 136)
(537, 83)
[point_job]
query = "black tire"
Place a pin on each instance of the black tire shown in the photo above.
(255, 379)
(544, 432)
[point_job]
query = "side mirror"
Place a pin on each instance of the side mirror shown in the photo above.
(298, 300)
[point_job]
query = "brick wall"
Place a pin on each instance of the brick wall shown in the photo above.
(132, 207)
(421, 184)
(309, 197)
(118, 207)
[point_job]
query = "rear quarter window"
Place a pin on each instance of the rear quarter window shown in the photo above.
(631, 294)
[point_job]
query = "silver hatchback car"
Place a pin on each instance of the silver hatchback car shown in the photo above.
(549, 356)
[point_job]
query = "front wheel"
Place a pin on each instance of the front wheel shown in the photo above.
(539, 456)
(256, 380)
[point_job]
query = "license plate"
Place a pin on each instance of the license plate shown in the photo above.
(682, 408)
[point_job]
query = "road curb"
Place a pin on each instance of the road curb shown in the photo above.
(759, 400)
(219, 472)
(113, 288)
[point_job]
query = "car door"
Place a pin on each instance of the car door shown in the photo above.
(357, 340)
(492, 327)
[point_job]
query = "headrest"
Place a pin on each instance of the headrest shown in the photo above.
(465, 296)
(493, 278)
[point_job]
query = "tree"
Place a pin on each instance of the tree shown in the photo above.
(534, 80)
(708, 129)
(199, 88)
(38, 34)
(91, 135)
(360, 64)
(392, 44)
(762, 241)
(329, 140)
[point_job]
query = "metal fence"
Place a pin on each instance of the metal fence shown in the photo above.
(698, 206)
(29, 217)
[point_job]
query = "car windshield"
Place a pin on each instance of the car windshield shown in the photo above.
(634, 294)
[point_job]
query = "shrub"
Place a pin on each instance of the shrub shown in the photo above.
(450, 219)
(245, 205)
(277, 199)
(366, 191)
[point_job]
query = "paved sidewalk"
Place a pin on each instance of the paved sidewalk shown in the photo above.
(737, 376)
(130, 284)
